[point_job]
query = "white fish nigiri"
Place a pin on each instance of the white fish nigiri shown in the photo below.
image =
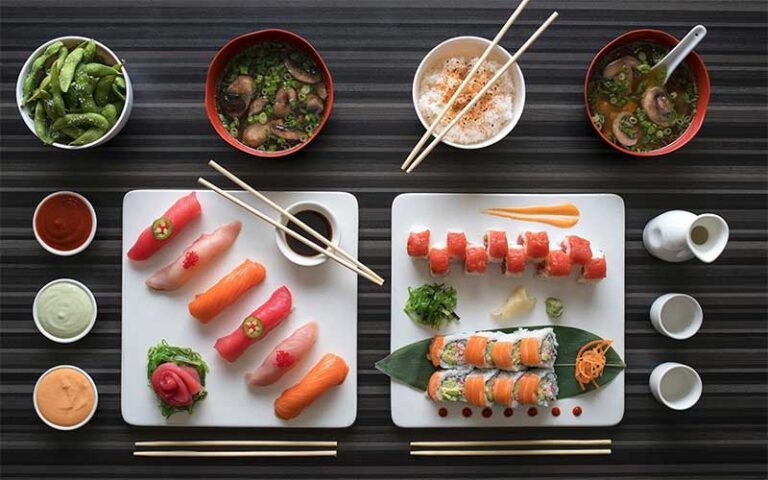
(284, 356)
(195, 257)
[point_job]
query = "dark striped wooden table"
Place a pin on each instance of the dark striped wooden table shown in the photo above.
(373, 48)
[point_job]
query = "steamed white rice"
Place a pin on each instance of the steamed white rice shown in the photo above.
(487, 118)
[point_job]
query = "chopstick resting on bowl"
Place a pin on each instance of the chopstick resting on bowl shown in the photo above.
(464, 83)
(439, 137)
(331, 253)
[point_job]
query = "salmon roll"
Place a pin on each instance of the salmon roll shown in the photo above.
(514, 262)
(447, 385)
(556, 265)
(578, 249)
(535, 244)
(449, 351)
(502, 388)
(439, 264)
(475, 261)
(418, 243)
(456, 243)
(594, 270)
(478, 387)
(536, 387)
(496, 245)
(523, 349)
(476, 350)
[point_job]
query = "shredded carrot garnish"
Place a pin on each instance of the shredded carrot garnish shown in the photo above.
(590, 362)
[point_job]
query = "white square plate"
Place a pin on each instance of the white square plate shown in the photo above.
(326, 294)
(598, 308)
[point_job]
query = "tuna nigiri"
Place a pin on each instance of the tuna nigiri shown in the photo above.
(284, 356)
(331, 370)
(256, 325)
(207, 305)
(162, 230)
(195, 258)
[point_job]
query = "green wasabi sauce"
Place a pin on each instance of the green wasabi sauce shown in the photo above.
(64, 310)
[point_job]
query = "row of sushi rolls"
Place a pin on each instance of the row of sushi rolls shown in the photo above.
(177, 374)
(494, 368)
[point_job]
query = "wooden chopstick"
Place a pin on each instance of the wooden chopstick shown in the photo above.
(516, 443)
(292, 218)
(482, 91)
(287, 230)
(236, 443)
(508, 453)
(466, 81)
(234, 454)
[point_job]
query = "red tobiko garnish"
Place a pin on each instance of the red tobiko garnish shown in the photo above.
(190, 260)
(283, 359)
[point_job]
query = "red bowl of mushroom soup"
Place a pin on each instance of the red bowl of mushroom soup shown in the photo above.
(268, 93)
(629, 107)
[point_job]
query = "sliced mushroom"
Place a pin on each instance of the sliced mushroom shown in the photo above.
(291, 94)
(256, 134)
(257, 105)
(237, 96)
(288, 133)
(281, 108)
(658, 106)
(314, 103)
(301, 75)
(622, 137)
(626, 64)
(321, 90)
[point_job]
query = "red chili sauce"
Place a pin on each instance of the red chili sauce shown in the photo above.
(576, 411)
(532, 412)
(555, 412)
(487, 412)
(63, 222)
(467, 412)
(443, 412)
(508, 412)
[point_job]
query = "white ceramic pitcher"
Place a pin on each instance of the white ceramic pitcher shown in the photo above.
(678, 235)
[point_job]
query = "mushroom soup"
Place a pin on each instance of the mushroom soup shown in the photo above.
(271, 97)
(631, 105)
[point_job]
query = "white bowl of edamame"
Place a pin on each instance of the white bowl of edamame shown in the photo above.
(74, 93)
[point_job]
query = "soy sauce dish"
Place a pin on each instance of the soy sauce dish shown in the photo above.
(318, 217)
(628, 105)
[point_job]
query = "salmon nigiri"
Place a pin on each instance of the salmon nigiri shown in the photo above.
(162, 230)
(256, 325)
(207, 305)
(284, 356)
(330, 371)
(195, 257)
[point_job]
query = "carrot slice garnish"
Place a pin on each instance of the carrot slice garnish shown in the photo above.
(590, 362)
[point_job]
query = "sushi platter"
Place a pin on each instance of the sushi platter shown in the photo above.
(325, 294)
(596, 307)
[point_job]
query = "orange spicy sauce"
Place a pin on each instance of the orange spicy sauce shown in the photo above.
(65, 397)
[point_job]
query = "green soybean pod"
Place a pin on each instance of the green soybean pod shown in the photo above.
(84, 86)
(37, 66)
(99, 70)
(68, 70)
(110, 113)
(90, 135)
(89, 51)
(58, 100)
(72, 132)
(103, 88)
(43, 87)
(80, 120)
(40, 128)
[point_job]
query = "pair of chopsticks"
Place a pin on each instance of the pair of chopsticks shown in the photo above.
(329, 448)
(521, 448)
(333, 251)
(412, 161)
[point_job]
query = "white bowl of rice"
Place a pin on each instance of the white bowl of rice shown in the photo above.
(441, 72)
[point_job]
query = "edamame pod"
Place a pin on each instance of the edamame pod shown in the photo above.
(110, 113)
(81, 120)
(118, 88)
(84, 86)
(37, 66)
(99, 70)
(89, 51)
(68, 70)
(43, 86)
(90, 135)
(58, 100)
(40, 128)
(72, 132)
(103, 88)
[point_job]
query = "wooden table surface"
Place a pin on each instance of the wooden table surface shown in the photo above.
(373, 48)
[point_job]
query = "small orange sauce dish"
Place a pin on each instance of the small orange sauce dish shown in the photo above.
(65, 397)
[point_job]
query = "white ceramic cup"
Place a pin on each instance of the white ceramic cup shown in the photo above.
(66, 427)
(282, 243)
(676, 315)
(65, 253)
(80, 335)
(675, 385)
(468, 47)
(102, 51)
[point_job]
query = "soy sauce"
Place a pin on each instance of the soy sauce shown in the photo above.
(318, 222)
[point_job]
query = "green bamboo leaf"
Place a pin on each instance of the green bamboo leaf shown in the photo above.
(411, 366)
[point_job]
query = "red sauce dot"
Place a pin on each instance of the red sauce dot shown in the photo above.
(508, 412)
(190, 260)
(283, 359)
(487, 412)
(533, 412)
(443, 412)
(555, 412)
(576, 411)
(467, 412)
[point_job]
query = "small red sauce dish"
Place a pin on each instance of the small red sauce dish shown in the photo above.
(64, 223)
(217, 68)
(694, 62)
